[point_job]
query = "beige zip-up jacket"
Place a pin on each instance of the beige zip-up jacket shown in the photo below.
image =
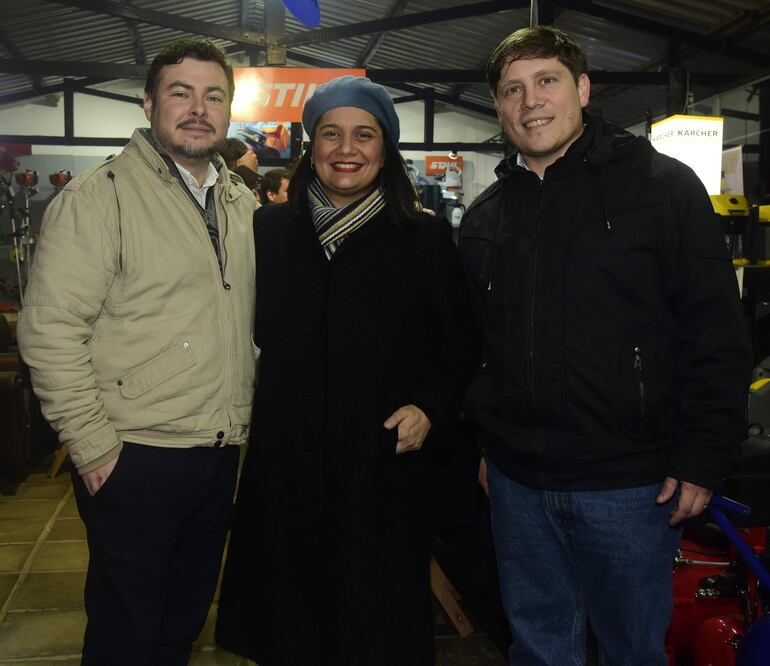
(129, 328)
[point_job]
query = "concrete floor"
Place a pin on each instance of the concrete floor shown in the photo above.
(43, 560)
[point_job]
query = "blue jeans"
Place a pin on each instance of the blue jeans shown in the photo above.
(568, 558)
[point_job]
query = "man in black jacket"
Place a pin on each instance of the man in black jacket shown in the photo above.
(611, 396)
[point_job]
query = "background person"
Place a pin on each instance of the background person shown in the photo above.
(136, 327)
(366, 336)
(611, 397)
(251, 179)
(236, 153)
(275, 186)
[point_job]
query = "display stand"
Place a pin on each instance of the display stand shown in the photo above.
(58, 460)
(448, 597)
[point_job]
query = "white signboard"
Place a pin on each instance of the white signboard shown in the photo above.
(696, 141)
(732, 171)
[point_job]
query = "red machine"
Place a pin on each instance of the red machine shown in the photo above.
(717, 640)
(715, 597)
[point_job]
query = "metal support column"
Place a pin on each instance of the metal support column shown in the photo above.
(69, 109)
(430, 110)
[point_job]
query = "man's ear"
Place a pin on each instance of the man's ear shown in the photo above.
(584, 90)
(147, 106)
(497, 110)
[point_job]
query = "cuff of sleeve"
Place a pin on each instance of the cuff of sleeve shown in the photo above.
(710, 481)
(101, 460)
(435, 425)
(95, 450)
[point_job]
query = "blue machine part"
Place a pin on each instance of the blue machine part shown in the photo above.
(754, 649)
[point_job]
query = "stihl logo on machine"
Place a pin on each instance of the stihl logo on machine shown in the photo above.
(278, 93)
(435, 165)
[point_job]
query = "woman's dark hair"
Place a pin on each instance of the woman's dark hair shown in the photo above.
(401, 203)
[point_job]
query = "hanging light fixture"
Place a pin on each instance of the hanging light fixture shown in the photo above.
(307, 12)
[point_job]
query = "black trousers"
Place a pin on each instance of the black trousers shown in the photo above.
(156, 530)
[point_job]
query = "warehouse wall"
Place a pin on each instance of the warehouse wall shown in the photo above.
(99, 117)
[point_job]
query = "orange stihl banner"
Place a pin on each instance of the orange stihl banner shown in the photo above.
(278, 93)
(435, 165)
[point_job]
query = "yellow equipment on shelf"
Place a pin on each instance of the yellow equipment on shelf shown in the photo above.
(730, 205)
(741, 225)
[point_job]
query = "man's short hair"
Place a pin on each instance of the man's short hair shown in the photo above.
(198, 49)
(537, 42)
(232, 151)
(271, 182)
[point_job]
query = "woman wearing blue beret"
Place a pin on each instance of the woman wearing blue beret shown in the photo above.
(367, 348)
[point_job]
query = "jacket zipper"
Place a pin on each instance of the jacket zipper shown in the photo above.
(227, 301)
(531, 350)
(640, 379)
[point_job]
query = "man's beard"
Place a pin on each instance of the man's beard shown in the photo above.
(190, 152)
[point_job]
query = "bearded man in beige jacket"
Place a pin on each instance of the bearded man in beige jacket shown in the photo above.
(136, 326)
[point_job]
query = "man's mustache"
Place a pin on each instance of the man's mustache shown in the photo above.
(197, 123)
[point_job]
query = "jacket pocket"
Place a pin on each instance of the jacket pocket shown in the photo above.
(157, 370)
(639, 388)
(628, 232)
(117, 471)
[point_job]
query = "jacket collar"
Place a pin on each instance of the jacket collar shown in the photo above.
(144, 147)
(599, 144)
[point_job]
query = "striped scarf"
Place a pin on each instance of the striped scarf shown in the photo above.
(333, 225)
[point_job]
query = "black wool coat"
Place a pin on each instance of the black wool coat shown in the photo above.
(328, 561)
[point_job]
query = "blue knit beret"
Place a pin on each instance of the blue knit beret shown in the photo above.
(355, 91)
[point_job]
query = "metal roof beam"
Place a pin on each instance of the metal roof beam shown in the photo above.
(444, 147)
(439, 97)
(546, 12)
(274, 32)
(376, 40)
(63, 140)
(246, 20)
(408, 98)
(84, 90)
(174, 21)
(402, 22)
(9, 45)
(26, 95)
(140, 56)
(728, 113)
(426, 75)
(316, 62)
(106, 70)
(101, 70)
(711, 44)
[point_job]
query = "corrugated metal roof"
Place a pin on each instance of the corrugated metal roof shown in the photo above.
(42, 30)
